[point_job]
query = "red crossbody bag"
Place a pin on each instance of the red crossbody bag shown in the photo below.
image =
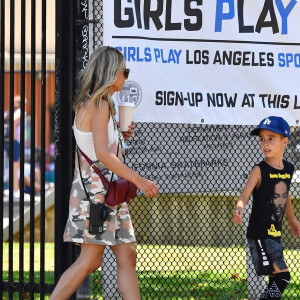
(118, 191)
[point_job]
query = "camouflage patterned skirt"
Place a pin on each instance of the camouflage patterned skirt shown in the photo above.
(118, 228)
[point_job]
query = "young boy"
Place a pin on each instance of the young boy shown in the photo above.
(269, 181)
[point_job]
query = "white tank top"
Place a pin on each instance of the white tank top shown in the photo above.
(85, 142)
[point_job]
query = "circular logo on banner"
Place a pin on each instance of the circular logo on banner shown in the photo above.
(131, 93)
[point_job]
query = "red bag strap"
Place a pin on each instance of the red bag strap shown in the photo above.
(105, 182)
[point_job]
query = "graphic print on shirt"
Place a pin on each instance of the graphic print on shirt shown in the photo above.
(278, 201)
(273, 232)
(269, 202)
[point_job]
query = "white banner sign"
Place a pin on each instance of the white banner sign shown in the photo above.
(208, 61)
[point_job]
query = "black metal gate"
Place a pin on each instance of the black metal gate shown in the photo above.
(18, 208)
(22, 227)
(188, 247)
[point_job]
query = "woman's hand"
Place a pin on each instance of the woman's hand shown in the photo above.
(128, 134)
(148, 187)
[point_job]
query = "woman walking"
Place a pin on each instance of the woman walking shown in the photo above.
(97, 135)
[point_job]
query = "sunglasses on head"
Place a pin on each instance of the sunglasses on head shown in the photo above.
(126, 73)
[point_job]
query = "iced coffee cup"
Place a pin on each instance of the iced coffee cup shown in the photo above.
(125, 115)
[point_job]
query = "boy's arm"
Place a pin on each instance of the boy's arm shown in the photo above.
(294, 224)
(253, 181)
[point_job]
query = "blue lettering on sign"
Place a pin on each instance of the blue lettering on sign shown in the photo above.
(225, 10)
(147, 54)
(289, 60)
(136, 54)
(284, 12)
(221, 15)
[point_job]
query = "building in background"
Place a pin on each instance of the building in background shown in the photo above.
(50, 63)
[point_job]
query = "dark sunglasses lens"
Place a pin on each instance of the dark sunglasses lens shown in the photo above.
(126, 73)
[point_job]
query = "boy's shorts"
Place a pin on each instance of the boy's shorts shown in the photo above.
(264, 253)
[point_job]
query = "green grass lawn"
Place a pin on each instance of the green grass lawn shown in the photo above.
(174, 272)
(49, 257)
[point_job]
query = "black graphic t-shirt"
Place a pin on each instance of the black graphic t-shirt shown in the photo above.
(269, 201)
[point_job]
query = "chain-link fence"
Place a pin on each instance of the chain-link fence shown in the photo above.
(188, 246)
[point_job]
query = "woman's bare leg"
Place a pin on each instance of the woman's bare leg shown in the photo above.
(90, 259)
(126, 262)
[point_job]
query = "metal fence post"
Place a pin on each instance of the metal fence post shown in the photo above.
(63, 131)
(81, 56)
(2, 69)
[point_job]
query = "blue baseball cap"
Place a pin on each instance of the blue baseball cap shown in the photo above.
(274, 124)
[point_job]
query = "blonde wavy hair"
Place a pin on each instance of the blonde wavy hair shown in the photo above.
(100, 73)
